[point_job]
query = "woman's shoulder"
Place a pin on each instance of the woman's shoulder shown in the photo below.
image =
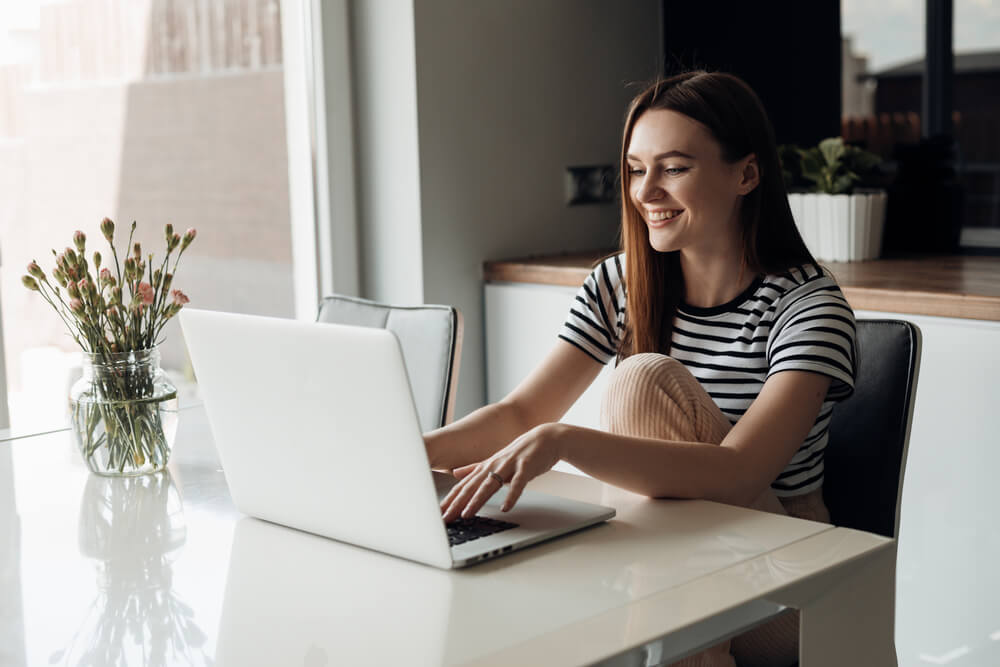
(803, 277)
(609, 272)
(811, 281)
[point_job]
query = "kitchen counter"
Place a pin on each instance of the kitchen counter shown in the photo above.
(945, 286)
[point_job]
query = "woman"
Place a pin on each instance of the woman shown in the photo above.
(733, 345)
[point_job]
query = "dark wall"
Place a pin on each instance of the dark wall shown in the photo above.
(787, 50)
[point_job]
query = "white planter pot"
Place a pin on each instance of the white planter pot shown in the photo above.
(840, 228)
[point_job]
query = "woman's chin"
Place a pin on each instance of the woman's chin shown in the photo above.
(660, 244)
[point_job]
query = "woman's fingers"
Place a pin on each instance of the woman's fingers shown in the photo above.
(456, 491)
(487, 487)
(514, 492)
(469, 495)
(465, 471)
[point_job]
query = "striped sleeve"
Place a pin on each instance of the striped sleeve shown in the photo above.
(596, 318)
(816, 332)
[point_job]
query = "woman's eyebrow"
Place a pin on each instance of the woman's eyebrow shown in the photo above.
(661, 156)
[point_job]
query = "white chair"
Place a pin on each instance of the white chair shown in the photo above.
(430, 338)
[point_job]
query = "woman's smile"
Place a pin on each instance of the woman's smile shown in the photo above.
(662, 217)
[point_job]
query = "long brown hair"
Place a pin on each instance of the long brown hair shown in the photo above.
(771, 242)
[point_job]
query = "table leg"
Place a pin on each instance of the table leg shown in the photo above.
(848, 613)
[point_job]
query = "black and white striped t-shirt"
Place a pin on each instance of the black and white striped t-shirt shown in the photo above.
(798, 320)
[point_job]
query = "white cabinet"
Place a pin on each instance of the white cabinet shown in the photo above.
(522, 325)
(949, 545)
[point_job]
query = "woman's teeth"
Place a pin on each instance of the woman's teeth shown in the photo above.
(659, 216)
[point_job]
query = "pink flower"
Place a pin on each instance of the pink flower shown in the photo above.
(105, 275)
(179, 298)
(145, 291)
(76, 306)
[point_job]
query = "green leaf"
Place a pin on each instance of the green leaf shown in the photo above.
(832, 150)
(812, 166)
(862, 161)
(843, 183)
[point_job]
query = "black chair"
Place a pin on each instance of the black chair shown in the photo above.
(869, 432)
(430, 338)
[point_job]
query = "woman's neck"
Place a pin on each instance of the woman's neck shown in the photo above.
(713, 281)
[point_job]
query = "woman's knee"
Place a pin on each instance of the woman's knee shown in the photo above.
(644, 397)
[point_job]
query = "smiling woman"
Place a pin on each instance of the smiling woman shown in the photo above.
(732, 344)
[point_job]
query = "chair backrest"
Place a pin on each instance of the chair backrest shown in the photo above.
(869, 432)
(430, 338)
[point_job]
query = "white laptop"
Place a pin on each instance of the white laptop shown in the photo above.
(316, 429)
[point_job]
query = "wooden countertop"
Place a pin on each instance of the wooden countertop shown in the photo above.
(946, 286)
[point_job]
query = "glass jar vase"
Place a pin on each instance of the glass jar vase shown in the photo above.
(124, 413)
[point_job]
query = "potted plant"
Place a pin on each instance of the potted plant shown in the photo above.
(840, 221)
(124, 409)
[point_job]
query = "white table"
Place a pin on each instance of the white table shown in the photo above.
(164, 570)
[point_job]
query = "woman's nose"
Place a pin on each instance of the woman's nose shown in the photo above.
(649, 190)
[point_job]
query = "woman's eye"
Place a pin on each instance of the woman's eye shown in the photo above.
(673, 171)
(635, 170)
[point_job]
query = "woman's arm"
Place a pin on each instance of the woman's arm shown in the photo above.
(544, 396)
(750, 457)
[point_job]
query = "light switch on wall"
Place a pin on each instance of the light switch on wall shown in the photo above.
(589, 184)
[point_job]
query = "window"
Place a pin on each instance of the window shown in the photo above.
(150, 110)
(883, 80)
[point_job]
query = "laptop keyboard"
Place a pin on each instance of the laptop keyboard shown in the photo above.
(461, 531)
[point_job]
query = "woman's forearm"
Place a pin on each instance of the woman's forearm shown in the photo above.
(476, 436)
(656, 468)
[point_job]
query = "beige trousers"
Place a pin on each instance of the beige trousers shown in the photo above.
(655, 396)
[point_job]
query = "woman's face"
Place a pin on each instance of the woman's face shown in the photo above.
(688, 196)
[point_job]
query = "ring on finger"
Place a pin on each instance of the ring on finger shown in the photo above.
(497, 477)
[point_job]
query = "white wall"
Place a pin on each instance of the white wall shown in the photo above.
(507, 95)
(388, 165)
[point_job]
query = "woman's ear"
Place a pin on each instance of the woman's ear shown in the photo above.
(749, 174)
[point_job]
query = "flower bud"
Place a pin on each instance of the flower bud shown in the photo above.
(108, 229)
(76, 306)
(60, 276)
(169, 232)
(137, 250)
(36, 271)
(70, 256)
(97, 261)
(72, 290)
(188, 237)
(167, 279)
(116, 295)
(30, 283)
(79, 240)
(157, 278)
(129, 268)
(175, 241)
